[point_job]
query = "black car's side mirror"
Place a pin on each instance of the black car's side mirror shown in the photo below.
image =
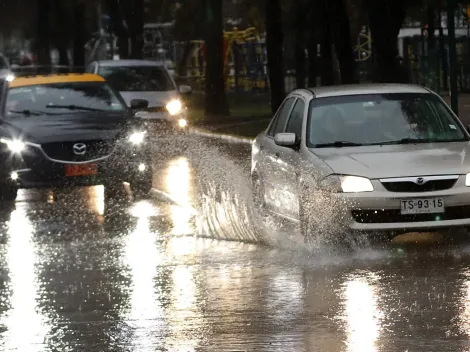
(138, 104)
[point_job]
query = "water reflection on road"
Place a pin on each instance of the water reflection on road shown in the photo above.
(77, 274)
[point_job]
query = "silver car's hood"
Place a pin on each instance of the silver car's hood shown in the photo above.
(398, 160)
(154, 98)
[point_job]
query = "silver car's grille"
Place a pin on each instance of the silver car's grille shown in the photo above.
(420, 184)
(384, 216)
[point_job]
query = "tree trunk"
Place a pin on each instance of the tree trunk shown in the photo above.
(43, 43)
(119, 27)
(62, 33)
(431, 14)
(274, 51)
(385, 19)
(183, 64)
(344, 50)
(215, 105)
(301, 17)
(327, 75)
(136, 29)
(79, 35)
(312, 43)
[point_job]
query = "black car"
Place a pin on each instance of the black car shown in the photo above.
(71, 130)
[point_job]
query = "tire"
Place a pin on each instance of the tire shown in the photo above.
(8, 193)
(142, 188)
(257, 190)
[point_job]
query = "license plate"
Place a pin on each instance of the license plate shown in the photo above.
(81, 170)
(422, 206)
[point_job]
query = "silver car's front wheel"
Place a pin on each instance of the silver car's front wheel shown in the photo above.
(257, 190)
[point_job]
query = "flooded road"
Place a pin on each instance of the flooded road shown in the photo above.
(187, 270)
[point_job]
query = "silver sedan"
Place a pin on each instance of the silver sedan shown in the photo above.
(382, 158)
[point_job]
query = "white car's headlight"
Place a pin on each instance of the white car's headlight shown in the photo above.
(182, 123)
(347, 184)
(174, 107)
(15, 145)
(467, 180)
(137, 137)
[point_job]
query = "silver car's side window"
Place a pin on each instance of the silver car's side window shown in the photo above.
(294, 125)
(280, 120)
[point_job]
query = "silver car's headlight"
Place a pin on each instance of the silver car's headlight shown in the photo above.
(174, 107)
(467, 180)
(137, 138)
(14, 145)
(347, 184)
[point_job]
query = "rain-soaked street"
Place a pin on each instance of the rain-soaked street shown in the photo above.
(189, 270)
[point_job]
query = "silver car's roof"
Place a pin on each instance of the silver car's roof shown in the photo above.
(358, 89)
(115, 63)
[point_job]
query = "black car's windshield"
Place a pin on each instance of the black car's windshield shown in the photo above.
(137, 78)
(381, 119)
(59, 98)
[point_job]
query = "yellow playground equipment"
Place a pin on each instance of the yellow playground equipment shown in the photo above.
(244, 58)
(243, 49)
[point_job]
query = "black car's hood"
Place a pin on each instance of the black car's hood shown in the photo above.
(70, 127)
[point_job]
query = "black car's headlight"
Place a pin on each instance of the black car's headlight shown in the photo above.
(14, 145)
(137, 138)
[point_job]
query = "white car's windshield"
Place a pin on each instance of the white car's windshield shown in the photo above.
(379, 119)
(62, 98)
(137, 78)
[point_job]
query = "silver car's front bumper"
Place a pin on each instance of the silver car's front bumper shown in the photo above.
(380, 210)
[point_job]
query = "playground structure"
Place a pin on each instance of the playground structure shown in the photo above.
(244, 60)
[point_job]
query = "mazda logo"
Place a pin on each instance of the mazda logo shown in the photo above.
(79, 148)
(420, 180)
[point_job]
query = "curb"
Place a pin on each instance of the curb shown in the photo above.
(226, 137)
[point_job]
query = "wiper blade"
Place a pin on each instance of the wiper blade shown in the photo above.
(338, 144)
(72, 107)
(27, 112)
(417, 140)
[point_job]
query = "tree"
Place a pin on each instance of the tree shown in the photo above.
(119, 26)
(343, 45)
(135, 19)
(385, 20)
(43, 41)
(79, 34)
(274, 51)
(215, 105)
(61, 32)
(326, 44)
(299, 45)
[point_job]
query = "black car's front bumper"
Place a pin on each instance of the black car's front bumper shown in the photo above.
(36, 169)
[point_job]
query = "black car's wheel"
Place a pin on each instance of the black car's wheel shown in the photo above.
(141, 188)
(8, 193)
(113, 190)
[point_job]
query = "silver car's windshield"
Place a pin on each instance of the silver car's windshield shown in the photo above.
(381, 119)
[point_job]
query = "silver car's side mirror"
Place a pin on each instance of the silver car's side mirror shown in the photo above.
(286, 140)
(185, 89)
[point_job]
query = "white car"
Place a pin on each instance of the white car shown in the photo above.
(5, 69)
(384, 158)
(148, 80)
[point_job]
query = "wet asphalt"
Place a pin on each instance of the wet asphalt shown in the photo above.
(191, 268)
